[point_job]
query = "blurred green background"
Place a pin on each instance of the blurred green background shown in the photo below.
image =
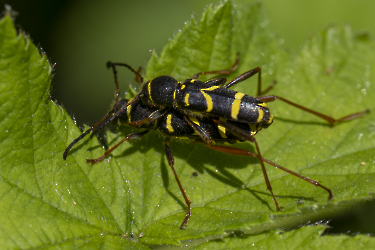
(81, 36)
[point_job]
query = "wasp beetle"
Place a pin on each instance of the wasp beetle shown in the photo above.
(203, 112)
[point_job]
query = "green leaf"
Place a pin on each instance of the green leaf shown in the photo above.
(302, 238)
(131, 199)
(44, 201)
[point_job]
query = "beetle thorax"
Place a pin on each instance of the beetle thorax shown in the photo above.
(161, 90)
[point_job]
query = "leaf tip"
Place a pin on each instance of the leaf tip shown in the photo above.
(8, 11)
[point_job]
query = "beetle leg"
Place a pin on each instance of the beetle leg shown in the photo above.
(170, 158)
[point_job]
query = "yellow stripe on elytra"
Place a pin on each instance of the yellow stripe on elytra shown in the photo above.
(270, 119)
(260, 114)
(194, 119)
(222, 130)
(253, 129)
(183, 86)
(187, 99)
(208, 98)
(236, 105)
(128, 110)
(263, 104)
(149, 89)
(169, 124)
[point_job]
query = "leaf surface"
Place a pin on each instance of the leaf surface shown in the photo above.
(131, 200)
(303, 238)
